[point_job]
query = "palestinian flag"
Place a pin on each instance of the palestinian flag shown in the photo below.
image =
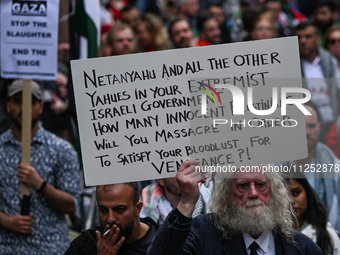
(87, 26)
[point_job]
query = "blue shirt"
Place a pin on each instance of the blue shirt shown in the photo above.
(56, 162)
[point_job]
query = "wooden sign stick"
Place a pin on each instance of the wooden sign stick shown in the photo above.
(26, 141)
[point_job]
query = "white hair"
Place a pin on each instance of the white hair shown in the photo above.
(223, 202)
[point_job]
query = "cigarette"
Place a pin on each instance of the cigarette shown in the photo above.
(108, 231)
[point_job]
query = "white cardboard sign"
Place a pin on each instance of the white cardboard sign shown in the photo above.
(134, 110)
(29, 39)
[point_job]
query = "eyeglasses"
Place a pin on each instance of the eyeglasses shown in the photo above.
(333, 41)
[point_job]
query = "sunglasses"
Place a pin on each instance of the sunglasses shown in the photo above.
(333, 41)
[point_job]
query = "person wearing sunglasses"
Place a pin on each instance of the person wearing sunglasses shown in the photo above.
(332, 43)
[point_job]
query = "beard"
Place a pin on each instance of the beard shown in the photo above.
(183, 43)
(254, 218)
(325, 25)
(311, 143)
(18, 123)
(126, 231)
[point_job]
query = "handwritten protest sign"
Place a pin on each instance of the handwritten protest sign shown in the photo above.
(29, 37)
(134, 110)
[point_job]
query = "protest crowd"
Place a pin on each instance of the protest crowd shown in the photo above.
(227, 213)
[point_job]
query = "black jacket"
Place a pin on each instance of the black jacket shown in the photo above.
(201, 237)
(86, 242)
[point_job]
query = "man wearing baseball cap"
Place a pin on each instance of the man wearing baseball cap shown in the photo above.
(53, 178)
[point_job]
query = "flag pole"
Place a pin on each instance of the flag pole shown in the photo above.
(26, 135)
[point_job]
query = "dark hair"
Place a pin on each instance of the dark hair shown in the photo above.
(268, 1)
(202, 18)
(305, 24)
(133, 185)
(315, 108)
(172, 22)
(315, 214)
(250, 15)
(215, 3)
(128, 8)
(329, 3)
(244, 4)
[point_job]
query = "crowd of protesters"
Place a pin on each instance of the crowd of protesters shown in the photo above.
(143, 26)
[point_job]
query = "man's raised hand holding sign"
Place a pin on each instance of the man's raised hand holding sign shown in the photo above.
(188, 180)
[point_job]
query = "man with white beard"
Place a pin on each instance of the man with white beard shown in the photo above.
(251, 215)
